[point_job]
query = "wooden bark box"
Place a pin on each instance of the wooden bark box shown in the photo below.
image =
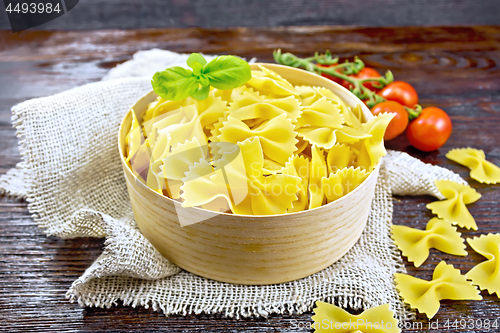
(247, 249)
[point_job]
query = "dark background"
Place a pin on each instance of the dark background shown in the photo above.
(135, 14)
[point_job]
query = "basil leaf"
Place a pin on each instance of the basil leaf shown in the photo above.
(224, 72)
(201, 93)
(196, 62)
(203, 80)
(227, 72)
(174, 83)
(196, 58)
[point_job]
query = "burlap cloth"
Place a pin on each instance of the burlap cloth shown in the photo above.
(73, 180)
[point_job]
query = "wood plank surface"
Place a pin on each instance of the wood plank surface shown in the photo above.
(133, 14)
(457, 69)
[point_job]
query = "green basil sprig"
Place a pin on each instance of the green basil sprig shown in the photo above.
(224, 72)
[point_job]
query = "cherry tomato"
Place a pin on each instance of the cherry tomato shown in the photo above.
(430, 130)
(398, 123)
(328, 76)
(401, 92)
(365, 73)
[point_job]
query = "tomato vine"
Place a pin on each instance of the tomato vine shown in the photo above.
(328, 64)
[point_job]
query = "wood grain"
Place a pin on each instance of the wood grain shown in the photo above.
(131, 14)
(457, 69)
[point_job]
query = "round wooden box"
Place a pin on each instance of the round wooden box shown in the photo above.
(247, 249)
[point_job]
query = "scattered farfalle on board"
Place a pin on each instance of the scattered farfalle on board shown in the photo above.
(331, 318)
(486, 275)
(446, 283)
(199, 152)
(453, 208)
(480, 169)
(438, 234)
(342, 182)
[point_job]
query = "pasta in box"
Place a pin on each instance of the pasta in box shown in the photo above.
(264, 182)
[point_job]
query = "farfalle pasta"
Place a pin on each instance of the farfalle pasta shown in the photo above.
(339, 157)
(158, 153)
(486, 275)
(480, 169)
(250, 105)
(317, 173)
(446, 283)
(270, 83)
(264, 147)
(453, 208)
(299, 166)
(438, 234)
(331, 318)
(137, 149)
(250, 176)
(322, 125)
(276, 135)
(371, 147)
(309, 95)
(177, 162)
(342, 182)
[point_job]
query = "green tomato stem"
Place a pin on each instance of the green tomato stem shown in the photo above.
(415, 112)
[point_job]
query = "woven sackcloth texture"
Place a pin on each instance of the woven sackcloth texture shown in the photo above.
(73, 180)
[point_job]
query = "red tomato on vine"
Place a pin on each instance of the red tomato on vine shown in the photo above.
(365, 73)
(398, 123)
(430, 130)
(401, 92)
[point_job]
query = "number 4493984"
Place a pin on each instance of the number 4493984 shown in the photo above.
(472, 324)
(33, 8)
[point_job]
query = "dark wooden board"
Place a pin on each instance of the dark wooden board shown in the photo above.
(133, 14)
(457, 69)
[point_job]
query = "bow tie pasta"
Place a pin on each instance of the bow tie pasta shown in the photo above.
(446, 283)
(486, 274)
(438, 234)
(266, 147)
(453, 209)
(480, 169)
(330, 318)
